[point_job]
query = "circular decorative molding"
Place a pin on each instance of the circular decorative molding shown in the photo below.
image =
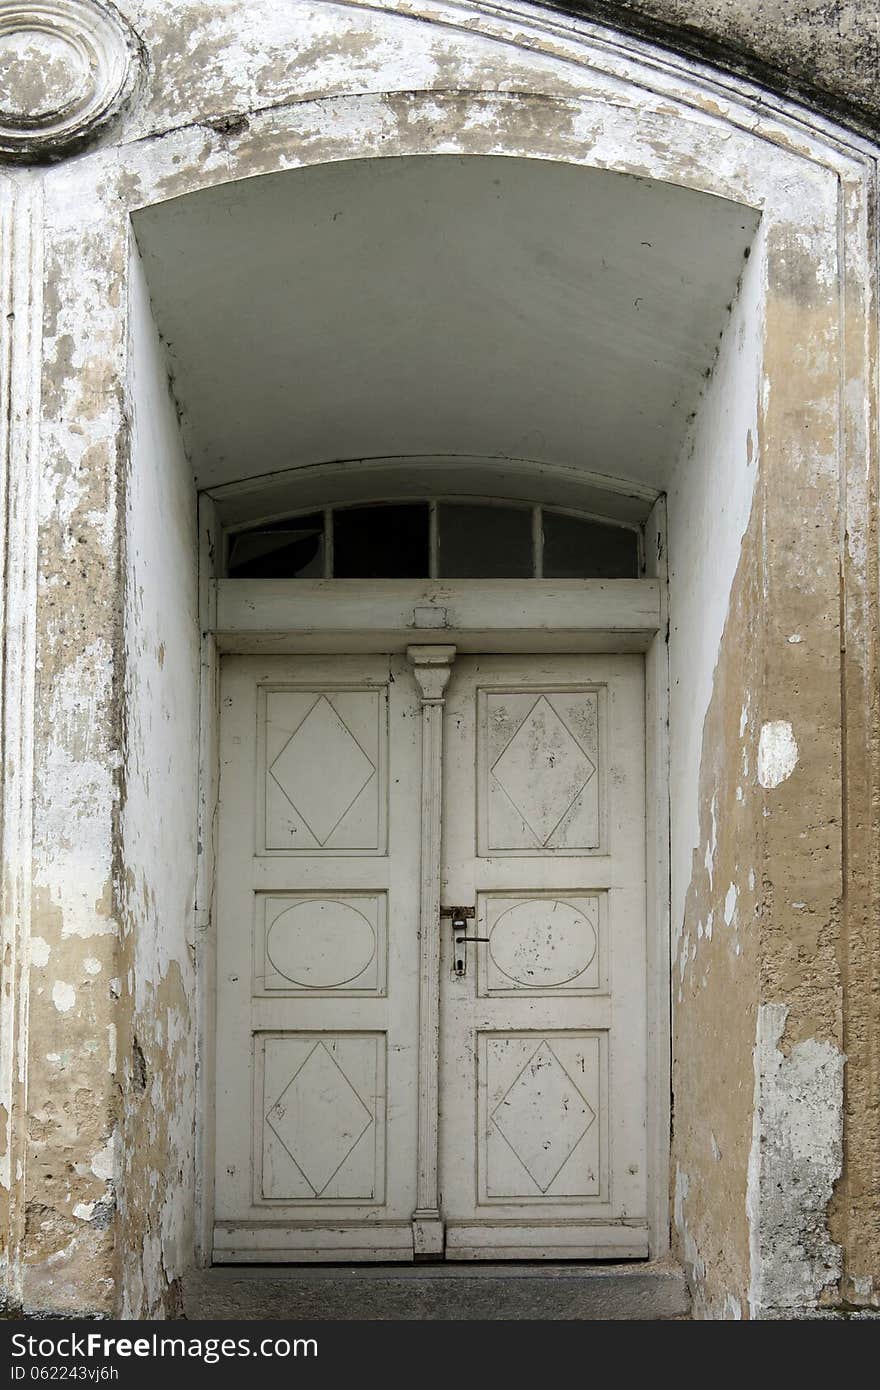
(66, 68)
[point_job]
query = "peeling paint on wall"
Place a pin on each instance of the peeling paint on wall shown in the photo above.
(63, 996)
(777, 753)
(705, 541)
(714, 824)
(157, 1020)
(235, 91)
(795, 1161)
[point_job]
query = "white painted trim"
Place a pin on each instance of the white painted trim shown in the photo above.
(250, 501)
(657, 897)
(581, 1240)
(432, 667)
(205, 944)
(538, 540)
(376, 1242)
(302, 615)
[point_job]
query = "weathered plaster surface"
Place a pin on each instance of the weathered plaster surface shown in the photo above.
(715, 665)
(769, 874)
(709, 505)
(827, 54)
(71, 1105)
(801, 477)
(20, 343)
(158, 827)
(208, 63)
(771, 911)
(854, 1211)
(794, 1163)
(777, 752)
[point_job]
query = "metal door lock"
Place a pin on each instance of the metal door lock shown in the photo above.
(460, 917)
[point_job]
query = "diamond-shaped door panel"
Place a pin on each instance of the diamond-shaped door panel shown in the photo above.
(539, 783)
(543, 770)
(542, 1098)
(325, 770)
(322, 1103)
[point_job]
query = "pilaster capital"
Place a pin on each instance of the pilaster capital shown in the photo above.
(432, 667)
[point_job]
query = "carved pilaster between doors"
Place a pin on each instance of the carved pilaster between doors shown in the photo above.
(432, 669)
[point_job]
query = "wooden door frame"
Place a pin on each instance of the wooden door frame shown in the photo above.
(301, 617)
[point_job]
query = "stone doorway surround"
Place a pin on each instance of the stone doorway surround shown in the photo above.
(773, 704)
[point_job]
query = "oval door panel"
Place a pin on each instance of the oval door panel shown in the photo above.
(321, 944)
(542, 943)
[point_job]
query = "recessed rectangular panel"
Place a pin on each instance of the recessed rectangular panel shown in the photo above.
(542, 1101)
(539, 780)
(321, 944)
(325, 770)
(542, 943)
(321, 1117)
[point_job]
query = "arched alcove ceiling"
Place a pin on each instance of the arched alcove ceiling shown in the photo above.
(441, 307)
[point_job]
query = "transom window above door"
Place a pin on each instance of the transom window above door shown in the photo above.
(435, 539)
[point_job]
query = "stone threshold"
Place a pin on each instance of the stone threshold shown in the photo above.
(447, 1292)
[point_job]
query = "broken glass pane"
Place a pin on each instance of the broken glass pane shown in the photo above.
(288, 549)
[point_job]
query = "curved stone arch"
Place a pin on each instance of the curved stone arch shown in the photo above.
(261, 59)
(349, 482)
(709, 157)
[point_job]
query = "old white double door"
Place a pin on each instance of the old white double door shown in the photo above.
(384, 1087)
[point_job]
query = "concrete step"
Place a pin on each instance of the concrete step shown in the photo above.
(452, 1292)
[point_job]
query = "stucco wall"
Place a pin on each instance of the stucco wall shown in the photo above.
(808, 800)
(228, 91)
(708, 508)
(714, 680)
(158, 827)
(63, 1176)
(827, 54)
